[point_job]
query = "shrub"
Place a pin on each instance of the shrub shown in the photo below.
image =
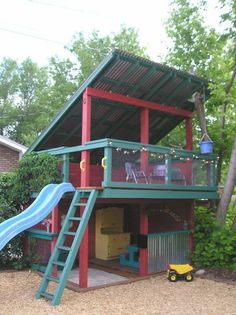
(215, 246)
(34, 172)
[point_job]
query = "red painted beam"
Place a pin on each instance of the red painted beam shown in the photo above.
(137, 102)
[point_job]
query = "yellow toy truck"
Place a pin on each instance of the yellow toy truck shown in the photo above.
(177, 272)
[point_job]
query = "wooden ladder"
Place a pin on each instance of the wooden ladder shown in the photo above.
(60, 248)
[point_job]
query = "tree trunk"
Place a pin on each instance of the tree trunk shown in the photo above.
(227, 89)
(228, 188)
(199, 106)
(234, 224)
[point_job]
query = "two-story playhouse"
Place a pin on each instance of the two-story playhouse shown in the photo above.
(142, 208)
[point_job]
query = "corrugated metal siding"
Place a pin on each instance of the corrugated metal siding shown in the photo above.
(166, 248)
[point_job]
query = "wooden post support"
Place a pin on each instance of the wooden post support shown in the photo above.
(144, 137)
(85, 175)
(107, 167)
(143, 253)
(189, 133)
(189, 146)
(190, 219)
(66, 166)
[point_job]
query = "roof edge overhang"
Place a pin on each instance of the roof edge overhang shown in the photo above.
(72, 100)
(13, 145)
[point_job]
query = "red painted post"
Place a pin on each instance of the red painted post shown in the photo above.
(189, 146)
(191, 224)
(144, 137)
(143, 253)
(54, 229)
(189, 133)
(85, 157)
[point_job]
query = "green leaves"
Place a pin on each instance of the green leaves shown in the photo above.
(215, 246)
(35, 171)
(209, 53)
(91, 51)
(30, 96)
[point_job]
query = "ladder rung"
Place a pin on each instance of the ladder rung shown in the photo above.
(80, 204)
(54, 279)
(58, 263)
(67, 248)
(70, 233)
(75, 218)
(47, 295)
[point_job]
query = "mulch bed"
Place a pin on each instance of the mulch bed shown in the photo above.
(220, 275)
(155, 295)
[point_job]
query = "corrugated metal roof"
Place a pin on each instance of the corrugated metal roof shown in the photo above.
(123, 73)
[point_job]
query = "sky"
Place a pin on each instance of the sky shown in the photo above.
(40, 29)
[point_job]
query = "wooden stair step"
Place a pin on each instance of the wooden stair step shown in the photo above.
(70, 233)
(59, 263)
(47, 295)
(54, 279)
(67, 248)
(75, 218)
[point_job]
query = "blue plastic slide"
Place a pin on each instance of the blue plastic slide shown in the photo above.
(47, 199)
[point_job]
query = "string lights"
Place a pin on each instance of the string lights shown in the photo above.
(171, 154)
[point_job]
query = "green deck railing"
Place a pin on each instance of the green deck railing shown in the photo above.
(183, 169)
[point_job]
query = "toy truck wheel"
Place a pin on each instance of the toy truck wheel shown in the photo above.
(189, 277)
(172, 276)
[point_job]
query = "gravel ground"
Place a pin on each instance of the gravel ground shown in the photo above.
(155, 295)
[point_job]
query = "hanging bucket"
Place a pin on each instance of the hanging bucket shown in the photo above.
(206, 146)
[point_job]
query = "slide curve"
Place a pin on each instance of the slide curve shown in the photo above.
(47, 199)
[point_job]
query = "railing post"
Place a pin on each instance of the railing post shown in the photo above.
(168, 170)
(212, 173)
(65, 168)
(107, 166)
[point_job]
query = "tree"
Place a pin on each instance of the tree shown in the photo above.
(30, 95)
(91, 51)
(210, 54)
(8, 89)
(228, 189)
(63, 76)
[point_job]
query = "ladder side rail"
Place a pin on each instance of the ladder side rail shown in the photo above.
(75, 246)
(60, 240)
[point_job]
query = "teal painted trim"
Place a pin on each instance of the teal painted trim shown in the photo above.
(79, 148)
(159, 149)
(41, 234)
(157, 186)
(67, 264)
(108, 163)
(65, 168)
(155, 194)
(114, 143)
(38, 267)
(170, 233)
